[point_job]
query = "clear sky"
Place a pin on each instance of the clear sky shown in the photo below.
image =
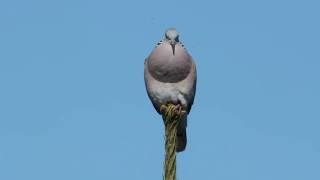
(73, 103)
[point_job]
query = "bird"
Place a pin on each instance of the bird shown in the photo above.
(170, 77)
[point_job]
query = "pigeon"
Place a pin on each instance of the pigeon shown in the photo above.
(170, 77)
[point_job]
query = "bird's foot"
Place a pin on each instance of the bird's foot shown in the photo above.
(177, 110)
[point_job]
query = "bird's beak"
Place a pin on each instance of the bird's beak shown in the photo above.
(173, 45)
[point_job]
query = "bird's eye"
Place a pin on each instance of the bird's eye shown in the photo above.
(177, 39)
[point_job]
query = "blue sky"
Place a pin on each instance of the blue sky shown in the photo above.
(73, 103)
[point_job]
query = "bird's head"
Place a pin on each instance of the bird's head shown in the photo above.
(172, 37)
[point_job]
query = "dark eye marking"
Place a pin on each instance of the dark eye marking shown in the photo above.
(182, 45)
(160, 42)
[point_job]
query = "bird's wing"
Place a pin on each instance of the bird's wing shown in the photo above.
(193, 80)
(148, 79)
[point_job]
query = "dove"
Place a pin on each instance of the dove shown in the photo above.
(170, 77)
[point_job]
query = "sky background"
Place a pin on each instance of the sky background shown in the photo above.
(73, 103)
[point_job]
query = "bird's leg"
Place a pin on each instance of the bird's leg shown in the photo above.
(178, 110)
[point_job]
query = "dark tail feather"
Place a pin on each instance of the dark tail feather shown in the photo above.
(181, 136)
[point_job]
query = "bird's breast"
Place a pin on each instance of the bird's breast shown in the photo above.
(165, 66)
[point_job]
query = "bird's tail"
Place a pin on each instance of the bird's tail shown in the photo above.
(181, 135)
